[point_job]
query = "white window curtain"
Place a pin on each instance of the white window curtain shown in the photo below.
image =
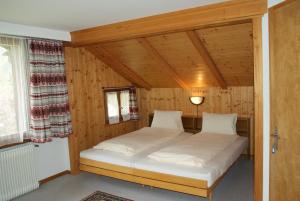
(124, 96)
(112, 107)
(14, 90)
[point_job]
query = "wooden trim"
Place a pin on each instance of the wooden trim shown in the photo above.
(120, 106)
(258, 111)
(117, 66)
(166, 67)
(54, 176)
(145, 181)
(171, 22)
(165, 181)
(284, 3)
(194, 38)
(109, 89)
(74, 153)
(148, 174)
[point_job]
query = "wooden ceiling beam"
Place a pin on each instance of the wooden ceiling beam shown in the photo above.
(183, 20)
(167, 68)
(118, 66)
(194, 38)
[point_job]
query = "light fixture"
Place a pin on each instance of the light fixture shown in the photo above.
(197, 100)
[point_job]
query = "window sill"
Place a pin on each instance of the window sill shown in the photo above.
(14, 144)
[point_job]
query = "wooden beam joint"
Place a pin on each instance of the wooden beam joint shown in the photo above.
(118, 66)
(167, 68)
(194, 38)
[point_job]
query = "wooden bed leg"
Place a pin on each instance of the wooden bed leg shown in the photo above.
(209, 196)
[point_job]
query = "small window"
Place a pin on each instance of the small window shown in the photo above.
(117, 105)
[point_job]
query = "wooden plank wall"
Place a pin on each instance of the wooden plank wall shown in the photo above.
(86, 75)
(238, 100)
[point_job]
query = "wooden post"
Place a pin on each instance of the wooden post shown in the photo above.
(258, 108)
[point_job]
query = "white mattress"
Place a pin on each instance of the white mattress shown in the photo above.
(125, 160)
(211, 172)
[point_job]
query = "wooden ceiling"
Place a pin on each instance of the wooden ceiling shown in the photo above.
(214, 56)
(198, 47)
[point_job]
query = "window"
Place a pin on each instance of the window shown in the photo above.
(13, 90)
(117, 105)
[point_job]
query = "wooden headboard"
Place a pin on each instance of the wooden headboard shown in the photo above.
(243, 126)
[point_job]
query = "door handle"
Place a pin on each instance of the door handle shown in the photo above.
(276, 137)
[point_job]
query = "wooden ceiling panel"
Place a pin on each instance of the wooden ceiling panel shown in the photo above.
(177, 60)
(134, 55)
(231, 48)
(179, 52)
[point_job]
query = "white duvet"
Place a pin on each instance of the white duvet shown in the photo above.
(196, 150)
(137, 141)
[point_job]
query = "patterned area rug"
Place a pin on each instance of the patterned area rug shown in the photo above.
(101, 196)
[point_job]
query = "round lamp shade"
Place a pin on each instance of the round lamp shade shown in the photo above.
(196, 100)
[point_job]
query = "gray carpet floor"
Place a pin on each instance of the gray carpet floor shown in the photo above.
(237, 185)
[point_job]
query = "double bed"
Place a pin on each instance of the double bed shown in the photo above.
(168, 159)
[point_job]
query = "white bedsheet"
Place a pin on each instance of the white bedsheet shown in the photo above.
(116, 158)
(194, 151)
(138, 141)
(210, 172)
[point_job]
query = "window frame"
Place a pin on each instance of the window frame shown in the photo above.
(118, 90)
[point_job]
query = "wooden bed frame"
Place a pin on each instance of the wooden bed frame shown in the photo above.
(160, 180)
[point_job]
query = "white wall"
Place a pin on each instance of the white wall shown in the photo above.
(52, 157)
(30, 31)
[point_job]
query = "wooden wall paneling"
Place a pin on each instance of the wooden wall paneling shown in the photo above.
(86, 75)
(231, 48)
(72, 139)
(210, 64)
(118, 66)
(258, 113)
(165, 65)
(171, 22)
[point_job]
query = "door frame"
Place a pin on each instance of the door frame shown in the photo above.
(258, 108)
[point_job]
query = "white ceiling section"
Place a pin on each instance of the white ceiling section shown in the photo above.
(71, 15)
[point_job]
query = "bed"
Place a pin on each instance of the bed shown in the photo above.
(143, 169)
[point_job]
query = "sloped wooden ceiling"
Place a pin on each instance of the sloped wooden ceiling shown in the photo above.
(231, 48)
(174, 60)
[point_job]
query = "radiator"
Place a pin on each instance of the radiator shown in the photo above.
(17, 171)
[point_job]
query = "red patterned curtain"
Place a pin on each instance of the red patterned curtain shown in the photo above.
(50, 115)
(133, 106)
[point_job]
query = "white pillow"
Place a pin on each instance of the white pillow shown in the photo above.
(167, 119)
(219, 123)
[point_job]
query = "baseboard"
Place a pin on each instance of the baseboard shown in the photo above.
(54, 176)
